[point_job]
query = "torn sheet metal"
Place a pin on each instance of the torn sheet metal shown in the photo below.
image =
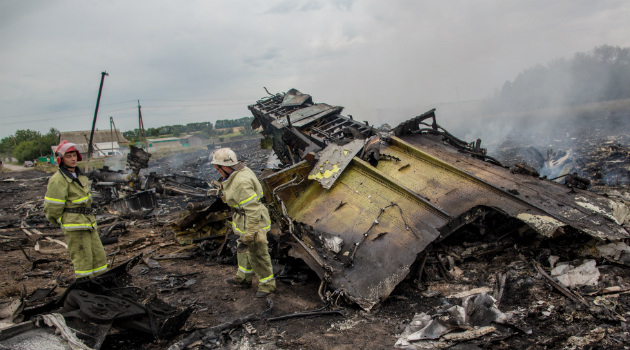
(547, 207)
(373, 259)
(386, 212)
(294, 98)
(202, 220)
(473, 319)
(332, 162)
(135, 205)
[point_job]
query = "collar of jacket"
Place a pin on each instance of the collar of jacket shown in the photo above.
(65, 172)
(238, 167)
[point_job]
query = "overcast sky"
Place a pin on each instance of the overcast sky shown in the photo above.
(194, 61)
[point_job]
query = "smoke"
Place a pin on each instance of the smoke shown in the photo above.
(559, 104)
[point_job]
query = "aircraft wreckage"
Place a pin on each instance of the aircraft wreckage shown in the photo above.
(359, 205)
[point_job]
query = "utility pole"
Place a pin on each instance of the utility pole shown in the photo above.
(112, 128)
(141, 135)
(98, 101)
(111, 132)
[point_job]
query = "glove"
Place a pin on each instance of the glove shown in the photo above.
(242, 248)
(214, 192)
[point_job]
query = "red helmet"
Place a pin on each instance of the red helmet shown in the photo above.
(65, 147)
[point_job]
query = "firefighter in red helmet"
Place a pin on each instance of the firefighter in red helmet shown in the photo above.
(67, 203)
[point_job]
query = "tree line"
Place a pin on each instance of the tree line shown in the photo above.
(204, 128)
(28, 144)
(600, 75)
(173, 130)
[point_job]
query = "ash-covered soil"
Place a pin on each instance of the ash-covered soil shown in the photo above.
(542, 317)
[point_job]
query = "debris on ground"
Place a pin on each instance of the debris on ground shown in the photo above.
(382, 237)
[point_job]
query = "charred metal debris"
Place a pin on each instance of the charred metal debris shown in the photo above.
(129, 194)
(87, 310)
(365, 208)
(360, 205)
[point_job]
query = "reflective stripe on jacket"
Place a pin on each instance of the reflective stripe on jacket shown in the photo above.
(64, 193)
(242, 192)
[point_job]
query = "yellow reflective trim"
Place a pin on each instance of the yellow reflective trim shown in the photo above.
(266, 279)
(81, 200)
(54, 200)
(236, 229)
(89, 272)
(77, 225)
(244, 270)
(104, 267)
(245, 201)
(248, 199)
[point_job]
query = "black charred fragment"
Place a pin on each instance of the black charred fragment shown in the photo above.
(380, 235)
(404, 167)
(91, 308)
(341, 204)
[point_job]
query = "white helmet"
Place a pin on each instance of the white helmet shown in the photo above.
(225, 157)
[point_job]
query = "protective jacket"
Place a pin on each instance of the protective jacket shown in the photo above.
(250, 218)
(65, 191)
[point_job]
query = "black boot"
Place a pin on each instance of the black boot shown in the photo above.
(242, 284)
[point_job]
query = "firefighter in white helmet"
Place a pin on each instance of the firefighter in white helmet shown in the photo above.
(67, 203)
(250, 221)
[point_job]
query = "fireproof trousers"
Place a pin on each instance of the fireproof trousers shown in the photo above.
(256, 260)
(86, 252)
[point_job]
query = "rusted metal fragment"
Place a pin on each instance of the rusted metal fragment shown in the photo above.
(332, 162)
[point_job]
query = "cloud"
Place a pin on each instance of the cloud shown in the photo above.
(202, 61)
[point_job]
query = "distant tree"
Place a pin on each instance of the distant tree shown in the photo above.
(28, 144)
(177, 129)
(208, 132)
(192, 127)
(7, 144)
(130, 134)
(153, 132)
(51, 138)
(165, 130)
(26, 135)
(600, 75)
(232, 123)
(27, 150)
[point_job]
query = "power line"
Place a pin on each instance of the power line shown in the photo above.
(63, 111)
(127, 101)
